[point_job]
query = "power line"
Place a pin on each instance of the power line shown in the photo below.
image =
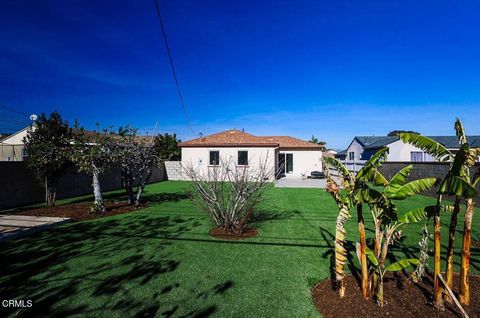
(13, 110)
(172, 66)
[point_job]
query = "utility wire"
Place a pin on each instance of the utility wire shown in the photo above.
(172, 66)
(13, 110)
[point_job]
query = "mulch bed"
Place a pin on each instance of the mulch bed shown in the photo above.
(77, 211)
(222, 233)
(403, 299)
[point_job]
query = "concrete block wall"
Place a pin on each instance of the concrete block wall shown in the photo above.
(173, 170)
(19, 186)
(424, 170)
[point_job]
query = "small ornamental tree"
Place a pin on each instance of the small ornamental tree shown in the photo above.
(136, 157)
(166, 147)
(47, 144)
(93, 157)
(230, 193)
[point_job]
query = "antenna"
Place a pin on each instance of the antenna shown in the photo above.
(33, 117)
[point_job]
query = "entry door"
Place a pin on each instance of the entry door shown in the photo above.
(285, 162)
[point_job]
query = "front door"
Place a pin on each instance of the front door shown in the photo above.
(285, 163)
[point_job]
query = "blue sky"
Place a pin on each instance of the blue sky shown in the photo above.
(334, 69)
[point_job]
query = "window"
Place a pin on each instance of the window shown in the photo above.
(416, 156)
(243, 158)
(214, 158)
(351, 155)
(24, 153)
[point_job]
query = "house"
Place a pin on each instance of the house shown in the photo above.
(363, 147)
(286, 156)
(12, 147)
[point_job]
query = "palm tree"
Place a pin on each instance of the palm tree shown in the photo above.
(457, 182)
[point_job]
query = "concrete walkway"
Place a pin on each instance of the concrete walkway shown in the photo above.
(300, 183)
(13, 226)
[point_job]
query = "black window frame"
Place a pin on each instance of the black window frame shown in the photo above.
(353, 155)
(211, 160)
(238, 158)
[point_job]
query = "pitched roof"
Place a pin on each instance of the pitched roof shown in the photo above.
(450, 142)
(238, 138)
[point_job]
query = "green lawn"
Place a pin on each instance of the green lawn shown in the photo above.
(161, 262)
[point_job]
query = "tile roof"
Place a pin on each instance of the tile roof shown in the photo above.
(451, 142)
(238, 138)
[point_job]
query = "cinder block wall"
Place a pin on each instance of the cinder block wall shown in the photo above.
(19, 186)
(173, 170)
(423, 170)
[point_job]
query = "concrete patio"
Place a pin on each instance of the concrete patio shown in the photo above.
(300, 183)
(14, 226)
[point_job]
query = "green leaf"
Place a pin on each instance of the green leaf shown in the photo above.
(337, 165)
(369, 172)
(371, 257)
(411, 188)
(476, 177)
(402, 264)
(400, 178)
(454, 185)
(418, 214)
(430, 146)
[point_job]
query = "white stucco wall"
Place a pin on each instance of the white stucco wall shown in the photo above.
(357, 149)
(17, 138)
(399, 151)
(304, 162)
(198, 157)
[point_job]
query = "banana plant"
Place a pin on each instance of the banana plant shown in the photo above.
(358, 192)
(457, 182)
(344, 204)
(386, 221)
(379, 269)
(363, 193)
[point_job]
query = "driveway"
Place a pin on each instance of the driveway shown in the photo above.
(300, 183)
(13, 226)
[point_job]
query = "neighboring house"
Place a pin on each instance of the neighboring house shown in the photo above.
(285, 156)
(12, 147)
(363, 147)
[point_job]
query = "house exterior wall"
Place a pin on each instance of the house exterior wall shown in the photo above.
(357, 149)
(398, 151)
(304, 161)
(11, 152)
(11, 148)
(198, 157)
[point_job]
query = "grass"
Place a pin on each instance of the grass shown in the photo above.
(161, 262)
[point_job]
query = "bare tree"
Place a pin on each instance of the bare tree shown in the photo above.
(231, 193)
(136, 157)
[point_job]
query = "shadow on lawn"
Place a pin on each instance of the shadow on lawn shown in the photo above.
(90, 268)
(146, 197)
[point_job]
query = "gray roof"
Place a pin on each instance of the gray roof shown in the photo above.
(450, 142)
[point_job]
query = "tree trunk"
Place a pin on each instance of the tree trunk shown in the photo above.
(97, 192)
(437, 289)
(142, 187)
(381, 270)
(127, 183)
(340, 250)
(363, 255)
(451, 245)
(465, 267)
(50, 193)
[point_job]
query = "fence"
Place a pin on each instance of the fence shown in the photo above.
(19, 186)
